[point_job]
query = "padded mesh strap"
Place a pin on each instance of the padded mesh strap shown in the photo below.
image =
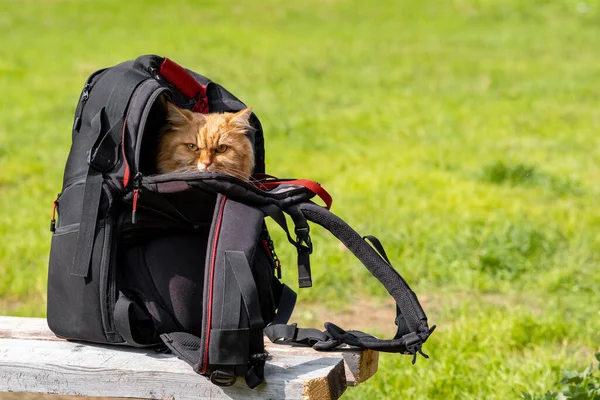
(413, 330)
(185, 346)
(396, 286)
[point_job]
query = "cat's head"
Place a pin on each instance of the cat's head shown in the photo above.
(215, 142)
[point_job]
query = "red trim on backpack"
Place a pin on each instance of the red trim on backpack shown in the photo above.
(210, 286)
(177, 76)
(310, 185)
(127, 172)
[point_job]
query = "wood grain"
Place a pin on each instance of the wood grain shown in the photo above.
(33, 359)
(63, 367)
(358, 365)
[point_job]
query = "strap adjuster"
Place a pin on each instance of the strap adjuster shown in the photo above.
(303, 241)
(221, 378)
(414, 343)
(259, 358)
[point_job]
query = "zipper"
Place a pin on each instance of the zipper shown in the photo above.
(53, 220)
(270, 249)
(85, 95)
(137, 183)
(112, 274)
(210, 286)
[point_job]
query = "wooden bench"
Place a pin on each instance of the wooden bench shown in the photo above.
(33, 360)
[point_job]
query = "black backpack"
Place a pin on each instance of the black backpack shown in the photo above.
(185, 260)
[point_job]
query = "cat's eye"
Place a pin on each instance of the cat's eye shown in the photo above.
(192, 147)
(222, 148)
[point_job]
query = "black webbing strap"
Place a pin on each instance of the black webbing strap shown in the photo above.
(378, 246)
(278, 216)
(285, 307)
(292, 334)
(127, 311)
(236, 261)
(302, 243)
(232, 299)
(410, 343)
(87, 228)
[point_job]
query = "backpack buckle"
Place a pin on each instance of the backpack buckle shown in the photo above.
(303, 241)
(414, 344)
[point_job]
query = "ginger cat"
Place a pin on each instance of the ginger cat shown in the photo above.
(214, 142)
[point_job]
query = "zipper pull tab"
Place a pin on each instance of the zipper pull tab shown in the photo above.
(268, 244)
(276, 259)
(53, 220)
(137, 180)
(85, 94)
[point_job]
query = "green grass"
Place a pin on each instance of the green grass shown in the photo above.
(463, 133)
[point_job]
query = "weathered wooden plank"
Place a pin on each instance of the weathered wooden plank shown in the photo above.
(63, 367)
(359, 365)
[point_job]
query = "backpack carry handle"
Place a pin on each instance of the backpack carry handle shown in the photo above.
(177, 76)
(313, 186)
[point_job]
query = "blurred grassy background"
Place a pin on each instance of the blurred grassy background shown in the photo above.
(463, 133)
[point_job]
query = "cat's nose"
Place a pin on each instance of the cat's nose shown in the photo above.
(206, 163)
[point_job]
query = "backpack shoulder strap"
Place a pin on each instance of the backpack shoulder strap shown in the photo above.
(412, 331)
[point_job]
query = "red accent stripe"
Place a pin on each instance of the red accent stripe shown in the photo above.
(185, 83)
(136, 194)
(210, 286)
(266, 246)
(310, 185)
(127, 172)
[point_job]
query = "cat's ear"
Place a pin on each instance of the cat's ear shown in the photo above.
(177, 116)
(241, 118)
